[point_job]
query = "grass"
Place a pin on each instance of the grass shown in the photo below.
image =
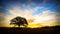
(43, 30)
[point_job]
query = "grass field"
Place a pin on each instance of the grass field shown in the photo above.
(43, 30)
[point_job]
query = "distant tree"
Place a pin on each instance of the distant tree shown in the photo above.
(18, 21)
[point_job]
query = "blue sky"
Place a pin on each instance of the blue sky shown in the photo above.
(46, 4)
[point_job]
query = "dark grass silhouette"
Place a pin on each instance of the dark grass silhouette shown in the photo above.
(43, 30)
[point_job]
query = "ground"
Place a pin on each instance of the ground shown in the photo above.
(43, 30)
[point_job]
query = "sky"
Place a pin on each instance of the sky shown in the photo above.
(42, 12)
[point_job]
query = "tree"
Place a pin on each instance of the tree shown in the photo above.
(18, 21)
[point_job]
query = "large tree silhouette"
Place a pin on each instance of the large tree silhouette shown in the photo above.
(18, 21)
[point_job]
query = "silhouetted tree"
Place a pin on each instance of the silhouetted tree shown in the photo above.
(19, 21)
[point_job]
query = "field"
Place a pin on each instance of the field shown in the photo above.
(43, 30)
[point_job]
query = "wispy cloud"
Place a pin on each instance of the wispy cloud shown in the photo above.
(47, 17)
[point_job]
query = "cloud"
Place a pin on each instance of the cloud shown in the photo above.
(47, 17)
(24, 13)
(16, 11)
